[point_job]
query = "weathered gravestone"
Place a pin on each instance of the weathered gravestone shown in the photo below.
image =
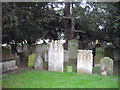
(69, 68)
(73, 49)
(6, 50)
(24, 55)
(84, 61)
(55, 56)
(19, 48)
(42, 50)
(39, 63)
(25, 49)
(66, 59)
(9, 62)
(31, 60)
(106, 65)
(116, 54)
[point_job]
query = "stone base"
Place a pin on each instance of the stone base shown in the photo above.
(13, 68)
(83, 71)
(8, 69)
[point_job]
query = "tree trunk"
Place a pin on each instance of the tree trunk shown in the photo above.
(69, 25)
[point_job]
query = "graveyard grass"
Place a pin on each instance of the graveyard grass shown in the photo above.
(29, 78)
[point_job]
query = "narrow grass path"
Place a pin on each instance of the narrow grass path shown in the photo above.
(26, 78)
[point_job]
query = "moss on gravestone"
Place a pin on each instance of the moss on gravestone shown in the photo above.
(69, 68)
(31, 60)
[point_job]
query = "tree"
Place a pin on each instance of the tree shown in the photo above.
(27, 22)
(94, 16)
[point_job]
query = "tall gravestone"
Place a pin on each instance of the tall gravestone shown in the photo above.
(106, 65)
(25, 54)
(39, 63)
(55, 56)
(84, 61)
(31, 60)
(73, 49)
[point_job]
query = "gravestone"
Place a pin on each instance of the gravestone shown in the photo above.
(55, 56)
(39, 63)
(45, 51)
(9, 62)
(38, 49)
(106, 65)
(31, 60)
(46, 56)
(33, 48)
(97, 60)
(69, 68)
(84, 61)
(24, 54)
(42, 50)
(73, 49)
(108, 52)
(116, 54)
(6, 50)
(66, 59)
(25, 49)
(19, 48)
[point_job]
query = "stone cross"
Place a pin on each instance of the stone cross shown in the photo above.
(55, 56)
(84, 61)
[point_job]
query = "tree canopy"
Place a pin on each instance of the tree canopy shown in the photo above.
(43, 20)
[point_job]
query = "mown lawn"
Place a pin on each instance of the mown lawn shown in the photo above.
(26, 78)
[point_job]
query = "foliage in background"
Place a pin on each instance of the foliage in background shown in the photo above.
(32, 21)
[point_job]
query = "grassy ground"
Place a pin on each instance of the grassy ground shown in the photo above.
(26, 78)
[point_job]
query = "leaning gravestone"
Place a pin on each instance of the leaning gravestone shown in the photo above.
(106, 65)
(39, 63)
(73, 49)
(31, 60)
(84, 61)
(55, 56)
